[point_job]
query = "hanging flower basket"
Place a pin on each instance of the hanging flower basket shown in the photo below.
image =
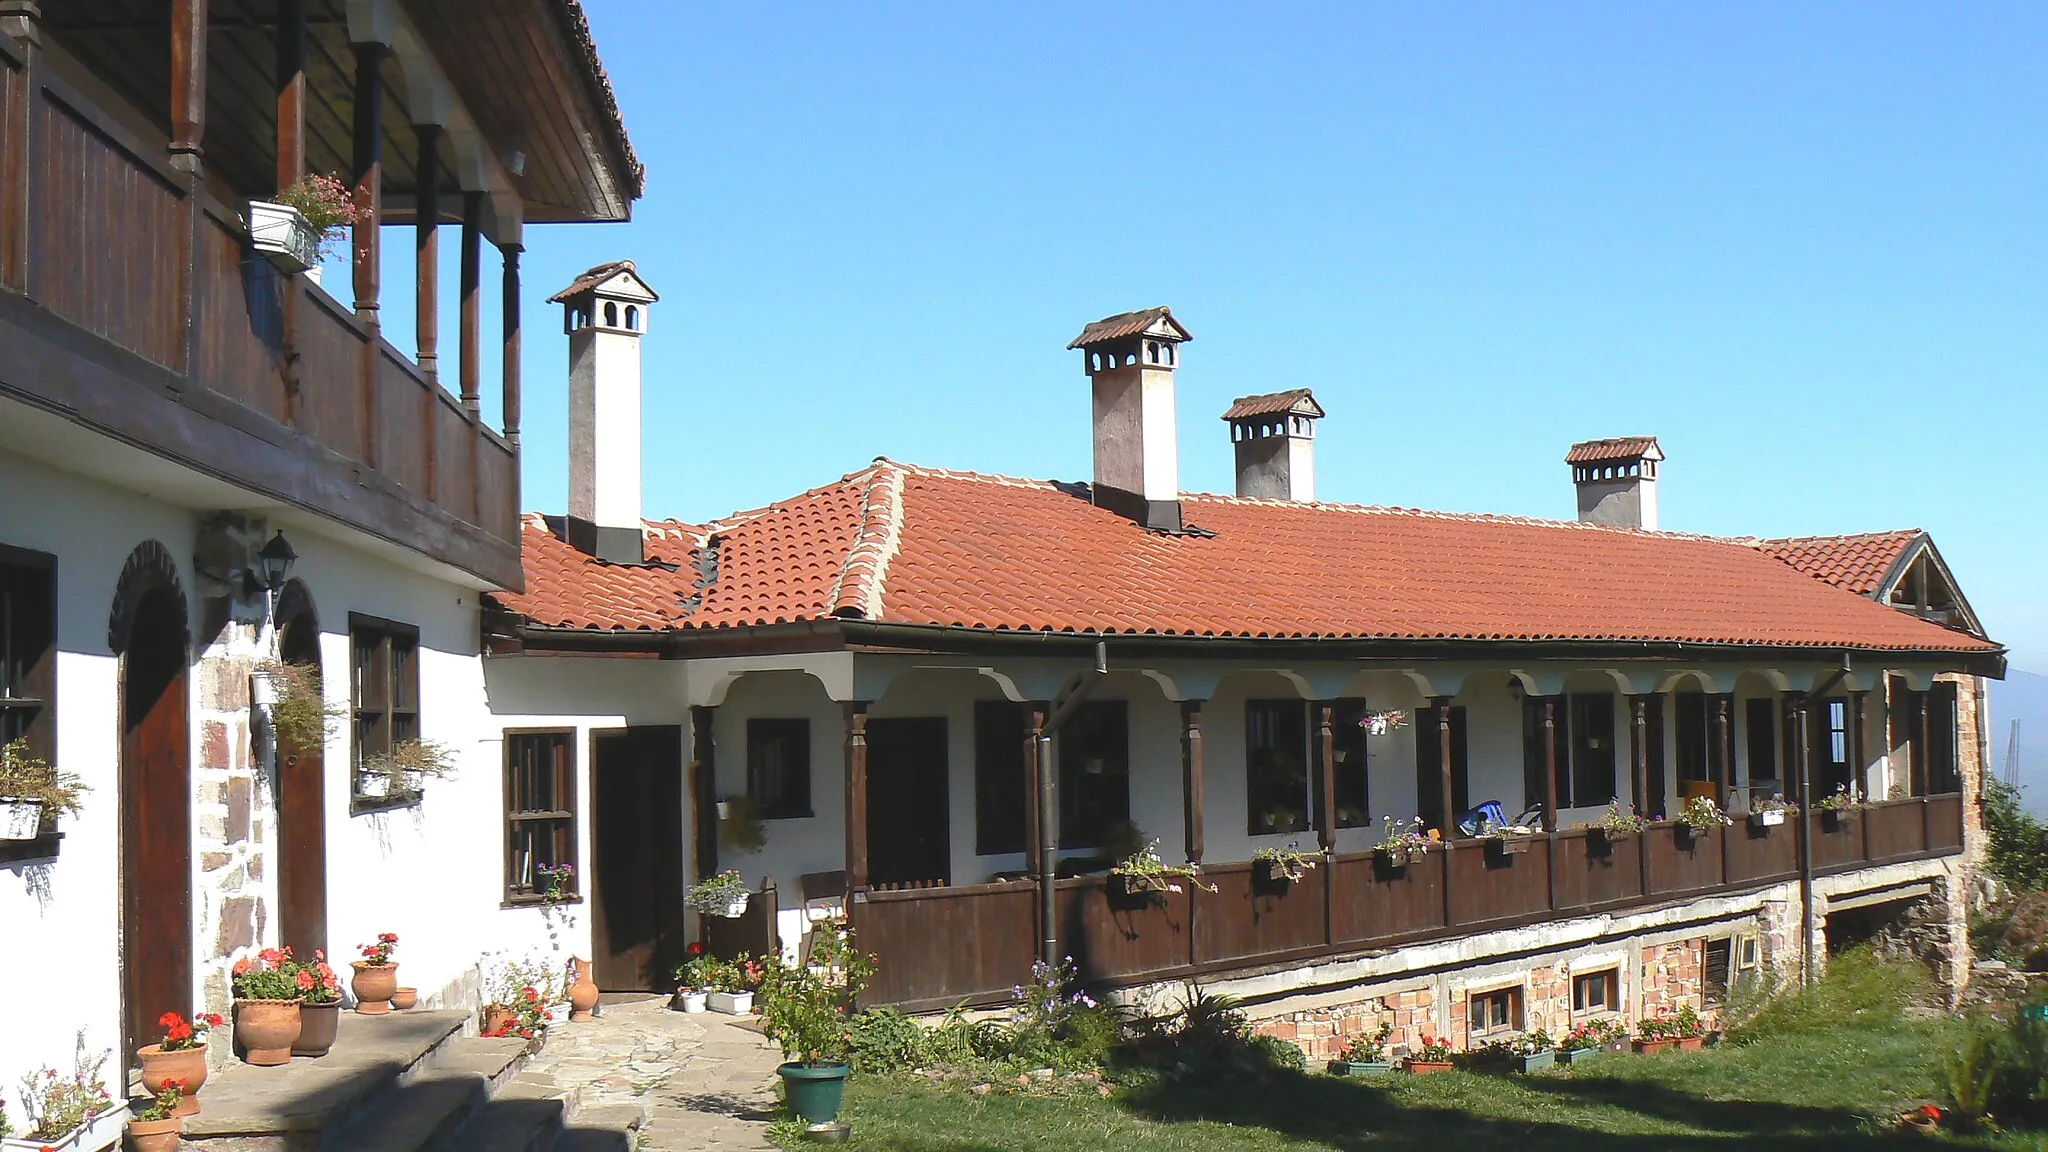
(283, 235)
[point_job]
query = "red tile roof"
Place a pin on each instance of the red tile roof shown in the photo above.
(593, 277)
(1125, 324)
(1613, 449)
(922, 546)
(1857, 563)
(1275, 404)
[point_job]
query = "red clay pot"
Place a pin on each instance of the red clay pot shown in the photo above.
(185, 1064)
(1691, 1043)
(498, 1017)
(1426, 1067)
(374, 985)
(155, 1135)
(318, 1024)
(267, 1030)
(1652, 1047)
(405, 998)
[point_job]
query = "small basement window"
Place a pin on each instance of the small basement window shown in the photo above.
(1596, 991)
(1717, 971)
(1495, 1012)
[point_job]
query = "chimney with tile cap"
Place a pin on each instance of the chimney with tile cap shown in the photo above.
(1130, 360)
(604, 313)
(1275, 438)
(1617, 480)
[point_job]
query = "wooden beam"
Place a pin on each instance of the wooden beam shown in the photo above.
(427, 261)
(1550, 760)
(188, 82)
(367, 173)
(1923, 771)
(471, 351)
(291, 93)
(1326, 776)
(704, 800)
(509, 369)
(20, 33)
(857, 794)
(1191, 770)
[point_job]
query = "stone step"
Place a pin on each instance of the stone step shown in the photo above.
(512, 1123)
(423, 1114)
(287, 1109)
(602, 1128)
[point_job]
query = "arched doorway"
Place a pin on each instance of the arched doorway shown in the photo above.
(148, 630)
(301, 792)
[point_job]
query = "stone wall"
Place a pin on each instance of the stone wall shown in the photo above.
(1672, 977)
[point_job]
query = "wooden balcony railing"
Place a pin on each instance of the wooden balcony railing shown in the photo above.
(134, 304)
(940, 946)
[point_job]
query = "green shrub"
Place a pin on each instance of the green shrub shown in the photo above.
(885, 1040)
(1973, 1068)
(2018, 852)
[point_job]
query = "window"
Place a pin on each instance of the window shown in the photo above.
(28, 650)
(1095, 772)
(1354, 799)
(1717, 970)
(779, 767)
(1596, 991)
(1592, 775)
(999, 784)
(1276, 766)
(384, 696)
(1429, 781)
(1831, 746)
(1760, 728)
(540, 811)
(1493, 1012)
(1692, 738)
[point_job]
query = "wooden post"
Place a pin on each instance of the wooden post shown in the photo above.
(1325, 788)
(509, 369)
(367, 171)
(857, 794)
(291, 168)
(427, 262)
(1803, 766)
(1724, 765)
(188, 83)
(705, 766)
(1191, 777)
(1639, 752)
(1447, 811)
(1550, 761)
(19, 23)
(1034, 727)
(470, 343)
(1859, 768)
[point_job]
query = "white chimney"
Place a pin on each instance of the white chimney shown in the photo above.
(604, 313)
(1130, 360)
(1617, 480)
(1275, 439)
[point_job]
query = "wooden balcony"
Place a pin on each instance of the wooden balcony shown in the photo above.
(940, 946)
(131, 304)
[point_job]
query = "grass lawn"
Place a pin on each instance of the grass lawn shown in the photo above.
(1820, 1074)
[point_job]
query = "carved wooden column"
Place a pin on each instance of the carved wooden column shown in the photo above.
(188, 83)
(470, 342)
(1639, 756)
(427, 259)
(19, 23)
(1859, 753)
(1326, 776)
(1191, 777)
(509, 368)
(1447, 810)
(367, 172)
(1724, 762)
(857, 794)
(291, 168)
(1550, 761)
(705, 787)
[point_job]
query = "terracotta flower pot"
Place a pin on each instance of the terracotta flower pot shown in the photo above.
(155, 1135)
(1691, 1043)
(498, 1017)
(185, 1064)
(1426, 1067)
(267, 1030)
(405, 998)
(1651, 1047)
(374, 985)
(582, 993)
(317, 1026)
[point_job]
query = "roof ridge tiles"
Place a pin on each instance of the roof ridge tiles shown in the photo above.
(858, 591)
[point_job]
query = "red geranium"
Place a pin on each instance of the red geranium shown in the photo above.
(179, 1035)
(380, 953)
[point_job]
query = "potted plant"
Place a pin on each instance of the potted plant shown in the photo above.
(724, 895)
(740, 981)
(266, 1007)
(807, 1008)
(741, 830)
(1701, 816)
(376, 976)
(697, 978)
(1591, 1040)
(33, 794)
(519, 994)
(1769, 812)
(1507, 841)
(67, 1112)
(401, 773)
(1364, 1055)
(1434, 1056)
(300, 715)
(1686, 1029)
(1617, 823)
(292, 230)
(319, 1006)
(1532, 1051)
(1402, 843)
(156, 1128)
(1143, 872)
(1836, 807)
(180, 1056)
(1284, 865)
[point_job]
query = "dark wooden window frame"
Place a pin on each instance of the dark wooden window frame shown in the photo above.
(1276, 720)
(28, 680)
(1717, 969)
(1500, 1008)
(1354, 763)
(378, 723)
(1088, 815)
(1608, 981)
(791, 798)
(519, 819)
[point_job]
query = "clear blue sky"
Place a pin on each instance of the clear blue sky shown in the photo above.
(1803, 244)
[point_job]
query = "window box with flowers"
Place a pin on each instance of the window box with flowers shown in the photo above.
(1402, 844)
(1592, 1040)
(1433, 1056)
(306, 219)
(1837, 809)
(1364, 1055)
(33, 794)
(1770, 812)
(724, 895)
(72, 1113)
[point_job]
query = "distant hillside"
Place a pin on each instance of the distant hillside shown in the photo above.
(2023, 696)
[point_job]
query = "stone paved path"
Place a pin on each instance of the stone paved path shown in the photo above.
(703, 1081)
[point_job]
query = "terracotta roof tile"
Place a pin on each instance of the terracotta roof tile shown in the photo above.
(923, 546)
(1275, 404)
(1125, 324)
(592, 278)
(1613, 449)
(1858, 563)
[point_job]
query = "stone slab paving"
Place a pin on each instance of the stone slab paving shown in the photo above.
(701, 1080)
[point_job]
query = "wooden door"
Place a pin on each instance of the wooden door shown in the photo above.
(636, 847)
(909, 837)
(156, 819)
(302, 813)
